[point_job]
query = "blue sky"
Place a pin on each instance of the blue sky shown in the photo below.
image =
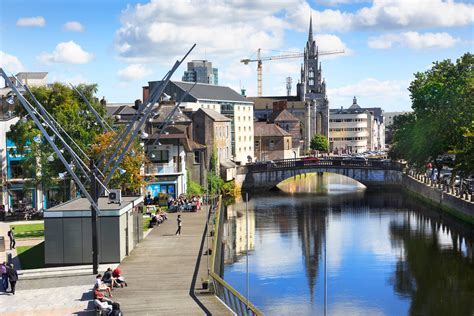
(121, 45)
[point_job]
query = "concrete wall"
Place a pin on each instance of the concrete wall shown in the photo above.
(452, 204)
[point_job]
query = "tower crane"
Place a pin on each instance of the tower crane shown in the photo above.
(260, 59)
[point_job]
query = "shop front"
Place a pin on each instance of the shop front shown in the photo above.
(164, 185)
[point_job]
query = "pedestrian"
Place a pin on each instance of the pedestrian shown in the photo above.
(180, 222)
(12, 277)
(11, 235)
(3, 271)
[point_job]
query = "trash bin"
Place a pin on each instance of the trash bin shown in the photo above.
(2, 244)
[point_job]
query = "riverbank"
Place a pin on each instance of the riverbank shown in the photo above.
(445, 200)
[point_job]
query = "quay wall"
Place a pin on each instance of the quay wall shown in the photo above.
(461, 208)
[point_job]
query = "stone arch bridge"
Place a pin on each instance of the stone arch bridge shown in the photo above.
(372, 173)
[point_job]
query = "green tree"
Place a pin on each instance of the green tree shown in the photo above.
(443, 114)
(320, 143)
(40, 165)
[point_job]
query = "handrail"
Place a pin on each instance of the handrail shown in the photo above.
(230, 296)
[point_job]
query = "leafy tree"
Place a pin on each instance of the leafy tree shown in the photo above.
(128, 177)
(320, 143)
(65, 105)
(192, 188)
(443, 114)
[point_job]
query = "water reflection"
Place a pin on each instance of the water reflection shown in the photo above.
(386, 253)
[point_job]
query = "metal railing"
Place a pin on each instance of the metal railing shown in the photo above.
(230, 296)
(161, 168)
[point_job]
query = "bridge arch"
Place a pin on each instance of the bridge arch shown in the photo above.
(266, 177)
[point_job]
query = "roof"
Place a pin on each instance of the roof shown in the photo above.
(165, 110)
(347, 111)
(227, 164)
(215, 116)
(261, 103)
(32, 75)
(202, 91)
(283, 115)
(83, 204)
(264, 129)
(120, 109)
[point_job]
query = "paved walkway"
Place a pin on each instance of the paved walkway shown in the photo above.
(160, 271)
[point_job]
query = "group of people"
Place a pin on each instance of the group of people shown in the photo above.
(9, 274)
(190, 203)
(106, 283)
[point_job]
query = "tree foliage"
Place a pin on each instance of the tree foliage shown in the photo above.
(442, 118)
(68, 109)
(320, 143)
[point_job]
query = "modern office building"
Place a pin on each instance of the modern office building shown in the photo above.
(356, 129)
(201, 71)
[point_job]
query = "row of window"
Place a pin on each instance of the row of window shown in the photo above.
(245, 149)
(348, 120)
(346, 138)
(222, 131)
(244, 108)
(244, 118)
(245, 138)
(245, 128)
(348, 129)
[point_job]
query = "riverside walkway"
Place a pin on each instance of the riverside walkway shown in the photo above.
(161, 269)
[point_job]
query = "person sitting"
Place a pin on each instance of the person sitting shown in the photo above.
(98, 295)
(101, 286)
(117, 274)
(103, 307)
(109, 279)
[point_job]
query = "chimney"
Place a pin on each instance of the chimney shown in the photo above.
(146, 93)
(103, 102)
(138, 102)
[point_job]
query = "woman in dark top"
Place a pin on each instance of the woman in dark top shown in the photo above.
(12, 277)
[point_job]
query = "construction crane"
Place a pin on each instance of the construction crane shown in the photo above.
(260, 59)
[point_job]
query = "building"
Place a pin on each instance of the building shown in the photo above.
(201, 71)
(213, 129)
(288, 122)
(272, 142)
(33, 79)
(310, 105)
(68, 231)
(356, 129)
(223, 100)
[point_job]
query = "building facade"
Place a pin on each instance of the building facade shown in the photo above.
(356, 129)
(272, 142)
(223, 100)
(201, 71)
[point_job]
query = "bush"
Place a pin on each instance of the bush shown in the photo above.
(194, 188)
(228, 189)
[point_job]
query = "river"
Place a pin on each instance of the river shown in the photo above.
(386, 254)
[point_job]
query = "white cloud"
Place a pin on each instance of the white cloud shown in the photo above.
(34, 21)
(67, 53)
(386, 14)
(371, 92)
(329, 42)
(413, 40)
(10, 63)
(162, 30)
(74, 26)
(133, 72)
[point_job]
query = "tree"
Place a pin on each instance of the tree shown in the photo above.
(40, 165)
(128, 177)
(443, 114)
(320, 143)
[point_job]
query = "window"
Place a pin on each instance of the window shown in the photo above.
(272, 144)
(245, 138)
(257, 144)
(197, 158)
(159, 156)
(245, 128)
(311, 82)
(239, 128)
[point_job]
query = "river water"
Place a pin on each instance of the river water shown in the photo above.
(386, 254)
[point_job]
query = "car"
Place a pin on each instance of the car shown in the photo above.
(310, 158)
(469, 185)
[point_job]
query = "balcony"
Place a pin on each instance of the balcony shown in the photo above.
(161, 168)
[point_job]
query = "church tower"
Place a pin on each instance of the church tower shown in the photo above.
(312, 90)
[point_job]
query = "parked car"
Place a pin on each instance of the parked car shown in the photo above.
(469, 185)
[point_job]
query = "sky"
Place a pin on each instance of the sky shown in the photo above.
(121, 45)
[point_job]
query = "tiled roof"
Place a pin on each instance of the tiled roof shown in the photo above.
(264, 129)
(215, 116)
(283, 115)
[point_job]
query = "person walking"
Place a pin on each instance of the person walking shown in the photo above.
(11, 235)
(180, 223)
(3, 271)
(12, 277)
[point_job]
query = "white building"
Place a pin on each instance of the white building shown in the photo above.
(356, 129)
(223, 100)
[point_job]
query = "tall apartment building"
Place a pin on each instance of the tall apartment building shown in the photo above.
(201, 71)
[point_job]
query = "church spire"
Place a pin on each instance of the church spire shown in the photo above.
(310, 35)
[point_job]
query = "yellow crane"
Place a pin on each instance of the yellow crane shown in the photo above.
(260, 59)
